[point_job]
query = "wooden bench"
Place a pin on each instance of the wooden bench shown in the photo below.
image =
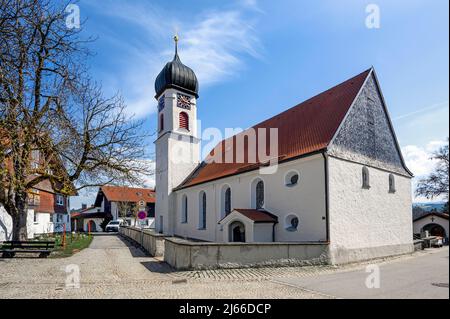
(10, 248)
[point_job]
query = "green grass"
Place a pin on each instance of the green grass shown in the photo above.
(74, 243)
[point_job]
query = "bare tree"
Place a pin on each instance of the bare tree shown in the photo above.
(436, 184)
(127, 209)
(50, 107)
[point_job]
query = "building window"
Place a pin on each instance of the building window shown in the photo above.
(184, 121)
(184, 218)
(291, 179)
(391, 183)
(59, 218)
(59, 200)
(35, 218)
(202, 212)
(292, 223)
(365, 178)
(259, 195)
(227, 203)
(161, 122)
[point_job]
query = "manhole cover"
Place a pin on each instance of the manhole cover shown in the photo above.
(440, 284)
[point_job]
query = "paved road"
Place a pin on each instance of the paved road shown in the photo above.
(114, 268)
(425, 276)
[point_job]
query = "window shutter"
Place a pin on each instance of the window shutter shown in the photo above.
(184, 121)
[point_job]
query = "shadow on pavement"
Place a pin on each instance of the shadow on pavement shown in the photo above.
(154, 265)
(135, 249)
(158, 266)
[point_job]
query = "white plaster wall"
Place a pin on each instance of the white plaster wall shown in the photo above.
(419, 224)
(263, 232)
(367, 218)
(306, 200)
(44, 224)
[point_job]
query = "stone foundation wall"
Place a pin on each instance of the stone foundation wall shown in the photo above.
(182, 254)
(152, 242)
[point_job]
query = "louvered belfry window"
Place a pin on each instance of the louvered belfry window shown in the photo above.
(184, 120)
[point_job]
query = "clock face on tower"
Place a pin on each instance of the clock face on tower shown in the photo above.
(184, 101)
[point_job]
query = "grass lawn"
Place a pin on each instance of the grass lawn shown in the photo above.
(74, 243)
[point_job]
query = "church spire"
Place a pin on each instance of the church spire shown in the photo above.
(176, 39)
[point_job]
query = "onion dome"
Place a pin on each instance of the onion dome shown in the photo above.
(176, 75)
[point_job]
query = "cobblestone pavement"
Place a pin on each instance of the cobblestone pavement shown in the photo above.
(113, 268)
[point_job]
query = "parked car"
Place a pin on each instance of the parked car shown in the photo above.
(114, 225)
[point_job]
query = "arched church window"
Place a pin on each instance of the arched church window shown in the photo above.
(161, 122)
(365, 178)
(259, 195)
(391, 183)
(202, 221)
(184, 218)
(227, 201)
(184, 120)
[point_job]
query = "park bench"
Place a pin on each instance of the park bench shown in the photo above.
(10, 248)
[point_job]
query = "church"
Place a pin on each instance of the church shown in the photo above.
(339, 178)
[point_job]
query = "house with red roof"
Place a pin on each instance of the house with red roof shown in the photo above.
(117, 202)
(328, 170)
(47, 209)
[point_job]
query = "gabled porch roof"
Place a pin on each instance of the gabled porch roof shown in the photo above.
(255, 215)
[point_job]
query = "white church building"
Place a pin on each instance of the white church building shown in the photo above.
(339, 177)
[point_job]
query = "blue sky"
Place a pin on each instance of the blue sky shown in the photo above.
(255, 59)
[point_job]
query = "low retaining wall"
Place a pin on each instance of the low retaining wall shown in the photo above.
(152, 242)
(183, 254)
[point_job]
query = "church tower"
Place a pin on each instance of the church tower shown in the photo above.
(177, 145)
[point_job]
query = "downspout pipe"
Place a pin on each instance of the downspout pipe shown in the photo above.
(327, 194)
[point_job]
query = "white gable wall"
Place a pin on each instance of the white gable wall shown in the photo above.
(367, 223)
(306, 200)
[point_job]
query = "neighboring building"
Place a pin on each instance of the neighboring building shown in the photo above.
(113, 202)
(48, 211)
(88, 219)
(341, 178)
(435, 223)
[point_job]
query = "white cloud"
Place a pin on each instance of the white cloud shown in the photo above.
(213, 44)
(418, 160)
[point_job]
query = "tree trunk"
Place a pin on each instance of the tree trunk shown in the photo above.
(19, 219)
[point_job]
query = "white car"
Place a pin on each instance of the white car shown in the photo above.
(114, 225)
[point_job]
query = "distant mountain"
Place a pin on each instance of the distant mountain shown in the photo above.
(430, 206)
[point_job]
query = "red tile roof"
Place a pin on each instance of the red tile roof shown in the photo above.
(128, 194)
(258, 216)
(306, 128)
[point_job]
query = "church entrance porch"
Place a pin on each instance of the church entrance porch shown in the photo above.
(435, 230)
(237, 232)
(248, 225)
